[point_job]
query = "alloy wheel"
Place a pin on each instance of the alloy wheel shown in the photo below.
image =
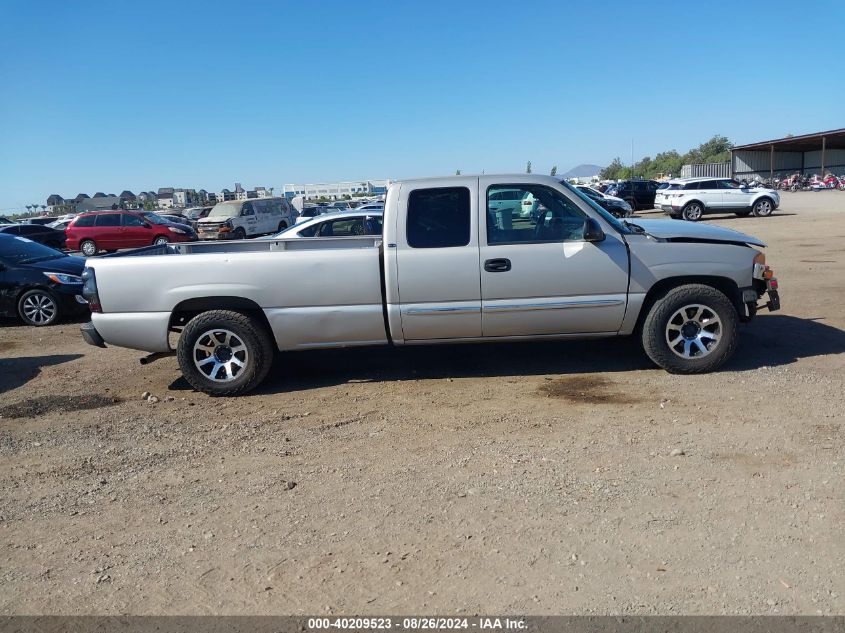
(763, 208)
(693, 331)
(220, 355)
(39, 308)
(693, 212)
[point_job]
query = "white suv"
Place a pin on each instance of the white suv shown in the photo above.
(691, 198)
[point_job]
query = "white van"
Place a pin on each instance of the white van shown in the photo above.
(239, 219)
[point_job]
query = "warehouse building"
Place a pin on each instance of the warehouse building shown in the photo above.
(337, 190)
(820, 153)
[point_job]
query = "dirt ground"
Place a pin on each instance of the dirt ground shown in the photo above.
(532, 478)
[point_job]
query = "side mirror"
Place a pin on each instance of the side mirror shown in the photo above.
(593, 231)
(147, 225)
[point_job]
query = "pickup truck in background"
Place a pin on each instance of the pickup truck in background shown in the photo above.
(449, 267)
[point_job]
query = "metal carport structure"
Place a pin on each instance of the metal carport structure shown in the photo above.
(807, 154)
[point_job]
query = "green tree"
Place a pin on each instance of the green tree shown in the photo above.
(615, 171)
(528, 167)
(553, 172)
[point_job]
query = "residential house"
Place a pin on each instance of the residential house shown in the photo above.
(128, 200)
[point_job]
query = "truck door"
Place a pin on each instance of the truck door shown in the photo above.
(539, 276)
(437, 260)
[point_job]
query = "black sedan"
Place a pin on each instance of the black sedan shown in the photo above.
(615, 206)
(37, 283)
(37, 233)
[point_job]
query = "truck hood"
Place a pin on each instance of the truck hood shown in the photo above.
(681, 231)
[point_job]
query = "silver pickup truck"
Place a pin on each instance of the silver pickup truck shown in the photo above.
(461, 259)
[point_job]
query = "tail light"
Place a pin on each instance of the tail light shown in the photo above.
(89, 290)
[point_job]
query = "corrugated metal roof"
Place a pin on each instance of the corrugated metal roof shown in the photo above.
(834, 139)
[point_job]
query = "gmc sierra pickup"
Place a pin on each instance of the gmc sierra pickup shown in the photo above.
(451, 266)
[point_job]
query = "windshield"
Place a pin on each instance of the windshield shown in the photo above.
(223, 210)
(155, 219)
(19, 250)
(193, 214)
(616, 224)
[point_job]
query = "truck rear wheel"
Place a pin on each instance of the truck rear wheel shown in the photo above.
(224, 353)
(690, 330)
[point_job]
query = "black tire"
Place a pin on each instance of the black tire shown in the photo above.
(39, 307)
(632, 203)
(160, 240)
(672, 311)
(693, 211)
(245, 331)
(742, 213)
(282, 226)
(88, 248)
(239, 234)
(764, 207)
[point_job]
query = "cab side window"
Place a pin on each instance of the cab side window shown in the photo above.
(247, 210)
(438, 217)
(542, 215)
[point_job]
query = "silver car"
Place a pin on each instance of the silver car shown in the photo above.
(341, 224)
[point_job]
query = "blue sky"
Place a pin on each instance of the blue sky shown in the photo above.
(106, 96)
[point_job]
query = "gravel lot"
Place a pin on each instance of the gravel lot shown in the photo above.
(534, 478)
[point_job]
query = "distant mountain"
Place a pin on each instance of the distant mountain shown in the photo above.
(582, 171)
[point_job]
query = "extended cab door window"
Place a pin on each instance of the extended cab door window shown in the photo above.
(438, 218)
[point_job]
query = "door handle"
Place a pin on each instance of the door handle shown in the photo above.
(497, 265)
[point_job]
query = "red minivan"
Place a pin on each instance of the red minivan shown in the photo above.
(112, 230)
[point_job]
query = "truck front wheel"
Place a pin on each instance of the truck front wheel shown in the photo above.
(690, 330)
(224, 353)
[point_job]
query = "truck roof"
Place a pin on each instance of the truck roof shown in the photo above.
(505, 178)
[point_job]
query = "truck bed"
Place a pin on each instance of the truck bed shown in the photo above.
(314, 292)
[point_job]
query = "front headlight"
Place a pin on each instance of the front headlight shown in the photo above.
(62, 278)
(173, 229)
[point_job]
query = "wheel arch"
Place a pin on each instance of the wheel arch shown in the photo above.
(189, 308)
(691, 200)
(725, 285)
